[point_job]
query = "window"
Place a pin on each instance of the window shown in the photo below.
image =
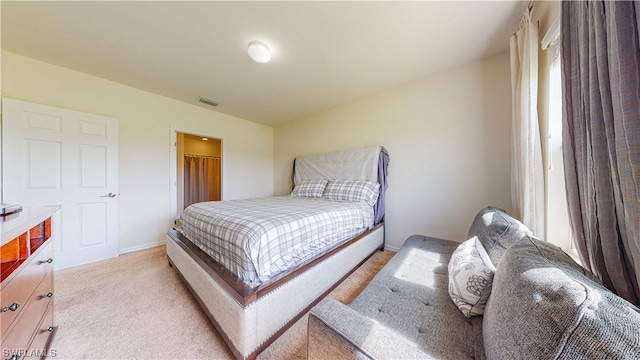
(558, 229)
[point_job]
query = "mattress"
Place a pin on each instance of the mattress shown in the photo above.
(256, 239)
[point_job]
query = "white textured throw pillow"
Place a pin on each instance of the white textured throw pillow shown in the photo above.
(470, 277)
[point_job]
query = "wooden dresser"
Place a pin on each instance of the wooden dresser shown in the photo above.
(26, 289)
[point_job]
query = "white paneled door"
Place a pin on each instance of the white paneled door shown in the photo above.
(54, 156)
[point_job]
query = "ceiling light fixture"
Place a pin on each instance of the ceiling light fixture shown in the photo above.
(259, 52)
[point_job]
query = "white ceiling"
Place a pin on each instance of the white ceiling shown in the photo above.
(324, 53)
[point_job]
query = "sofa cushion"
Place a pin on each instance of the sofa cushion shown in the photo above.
(543, 305)
(470, 277)
(497, 231)
(410, 295)
(336, 331)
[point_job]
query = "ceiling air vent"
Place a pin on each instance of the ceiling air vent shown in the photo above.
(204, 100)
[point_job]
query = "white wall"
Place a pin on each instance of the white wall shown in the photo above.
(449, 142)
(145, 123)
(448, 137)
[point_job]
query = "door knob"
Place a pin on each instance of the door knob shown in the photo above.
(111, 195)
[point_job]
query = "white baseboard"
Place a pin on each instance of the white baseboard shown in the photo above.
(391, 248)
(142, 247)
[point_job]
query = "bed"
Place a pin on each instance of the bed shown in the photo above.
(256, 266)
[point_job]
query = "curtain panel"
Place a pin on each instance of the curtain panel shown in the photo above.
(601, 138)
(527, 176)
(201, 179)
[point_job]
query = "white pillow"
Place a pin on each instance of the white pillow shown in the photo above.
(309, 188)
(470, 277)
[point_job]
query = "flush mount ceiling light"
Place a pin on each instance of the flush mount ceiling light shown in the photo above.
(259, 52)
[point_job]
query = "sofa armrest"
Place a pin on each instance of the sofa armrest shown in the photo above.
(338, 332)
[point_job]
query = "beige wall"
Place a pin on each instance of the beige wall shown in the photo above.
(449, 142)
(145, 124)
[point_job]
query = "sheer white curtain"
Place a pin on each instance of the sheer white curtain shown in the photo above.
(527, 179)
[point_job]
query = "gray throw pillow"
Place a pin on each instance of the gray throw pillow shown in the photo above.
(497, 231)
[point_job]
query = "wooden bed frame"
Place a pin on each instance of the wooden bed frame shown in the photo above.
(250, 319)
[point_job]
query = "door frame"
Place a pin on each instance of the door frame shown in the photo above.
(173, 166)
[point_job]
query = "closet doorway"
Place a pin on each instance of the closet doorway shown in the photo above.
(199, 169)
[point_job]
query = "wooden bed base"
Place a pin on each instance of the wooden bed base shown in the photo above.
(250, 319)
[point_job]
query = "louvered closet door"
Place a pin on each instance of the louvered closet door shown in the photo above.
(54, 156)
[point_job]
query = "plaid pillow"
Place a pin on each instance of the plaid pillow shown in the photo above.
(352, 190)
(309, 188)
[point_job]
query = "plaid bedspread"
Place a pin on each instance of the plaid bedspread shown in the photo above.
(259, 238)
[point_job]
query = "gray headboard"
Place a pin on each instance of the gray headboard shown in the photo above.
(370, 163)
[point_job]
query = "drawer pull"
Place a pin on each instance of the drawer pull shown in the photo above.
(48, 261)
(12, 307)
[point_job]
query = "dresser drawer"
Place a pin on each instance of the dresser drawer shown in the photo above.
(14, 345)
(39, 344)
(45, 332)
(20, 288)
(31, 316)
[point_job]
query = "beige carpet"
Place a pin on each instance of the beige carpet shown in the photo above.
(136, 307)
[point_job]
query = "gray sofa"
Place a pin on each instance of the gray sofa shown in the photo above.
(542, 305)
